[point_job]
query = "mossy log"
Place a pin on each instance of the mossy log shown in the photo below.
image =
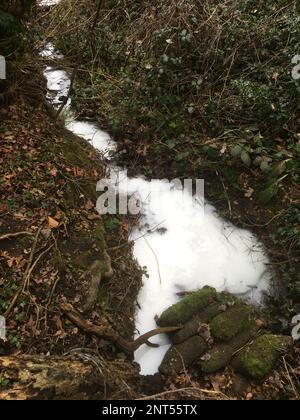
(187, 308)
(49, 378)
(258, 359)
(192, 327)
(221, 354)
(182, 355)
(226, 326)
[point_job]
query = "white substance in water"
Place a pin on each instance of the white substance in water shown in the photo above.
(191, 248)
(89, 131)
(50, 52)
(58, 85)
(183, 246)
(48, 2)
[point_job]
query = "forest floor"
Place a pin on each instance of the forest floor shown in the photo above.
(48, 195)
(50, 233)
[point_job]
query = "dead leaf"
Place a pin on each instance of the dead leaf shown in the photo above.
(53, 224)
(249, 192)
(89, 205)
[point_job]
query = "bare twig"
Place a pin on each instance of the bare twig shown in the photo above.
(155, 256)
(184, 390)
(75, 70)
(14, 235)
(25, 277)
(26, 283)
(130, 242)
(290, 379)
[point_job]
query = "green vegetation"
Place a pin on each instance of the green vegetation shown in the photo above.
(202, 90)
(187, 307)
(221, 354)
(12, 26)
(190, 89)
(174, 73)
(258, 359)
(14, 37)
(226, 326)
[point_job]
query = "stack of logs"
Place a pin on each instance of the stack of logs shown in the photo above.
(219, 330)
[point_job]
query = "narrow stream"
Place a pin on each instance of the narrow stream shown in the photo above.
(182, 242)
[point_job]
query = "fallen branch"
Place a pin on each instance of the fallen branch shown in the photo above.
(191, 390)
(109, 334)
(49, 378)
(14, 235)
(25, 277)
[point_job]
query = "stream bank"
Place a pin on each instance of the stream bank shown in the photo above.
(162, 89)
(161, 271)
(180, 241)
(48, 200)
(221, 382)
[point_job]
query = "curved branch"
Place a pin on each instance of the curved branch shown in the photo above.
(109, 334)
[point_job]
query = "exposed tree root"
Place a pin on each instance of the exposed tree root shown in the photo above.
(109, 334)
(14, 235)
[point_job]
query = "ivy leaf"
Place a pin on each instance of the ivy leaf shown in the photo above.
(236, 151)
(210, 152)
(278, 170)
(264, 166)
(266, 196)
(246, 159)
(171, 144)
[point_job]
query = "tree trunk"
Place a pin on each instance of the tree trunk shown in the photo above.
(62, 378)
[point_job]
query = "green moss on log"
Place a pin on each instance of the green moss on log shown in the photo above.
(192, 327)
(188, 307)
(222, 353)
(258, 359)
(182, 355)
(226, 326)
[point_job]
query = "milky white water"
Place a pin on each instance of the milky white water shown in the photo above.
(58, 85)
(48, 2)
(183, 243)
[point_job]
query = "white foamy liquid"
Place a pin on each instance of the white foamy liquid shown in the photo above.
(50, 52)
(89, 131)
(48, 2)
(58, 85)
(192, 248)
